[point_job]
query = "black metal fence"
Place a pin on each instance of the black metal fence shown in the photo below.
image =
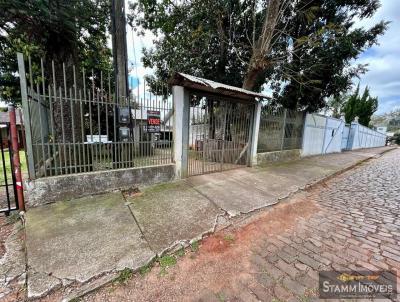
(280, 129)
(8, 195)
(75, 123)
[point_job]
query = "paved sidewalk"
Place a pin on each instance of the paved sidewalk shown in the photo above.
(350, 222)
(72, 242)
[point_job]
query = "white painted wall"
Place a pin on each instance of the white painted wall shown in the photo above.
(345, 137)
(364, 137)
(322, 135)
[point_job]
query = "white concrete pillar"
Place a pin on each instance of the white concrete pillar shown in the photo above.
(254, 135)
(181, 130)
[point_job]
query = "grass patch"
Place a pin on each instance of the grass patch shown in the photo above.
(194, 246)
(166, 262)
(12, 218)
(220, 297)
(180, 252)
(229, 238)
(24, 167)
(124, 275)
(145, 269)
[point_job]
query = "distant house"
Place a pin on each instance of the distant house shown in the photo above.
(4, 121)
(381, 129)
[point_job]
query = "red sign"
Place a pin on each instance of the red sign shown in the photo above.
(153, 121)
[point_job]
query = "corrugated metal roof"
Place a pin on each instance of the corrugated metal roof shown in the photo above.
(221, 86)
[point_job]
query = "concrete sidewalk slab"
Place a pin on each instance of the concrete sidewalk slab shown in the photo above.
(229, 194)
(81, 239)
(247, 189)
(173, 213)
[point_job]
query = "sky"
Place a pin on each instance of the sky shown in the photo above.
(383, 76)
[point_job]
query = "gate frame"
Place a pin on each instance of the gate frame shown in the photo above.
(12, 183)
(181, 101)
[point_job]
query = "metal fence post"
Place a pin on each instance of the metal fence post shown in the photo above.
(283, 128)
(15, 159)
(27, 117)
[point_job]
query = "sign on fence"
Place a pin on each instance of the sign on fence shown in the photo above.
(153, 121)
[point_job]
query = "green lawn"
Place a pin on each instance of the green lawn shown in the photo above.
(24, 167)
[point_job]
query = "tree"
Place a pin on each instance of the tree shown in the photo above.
(350, 106)
(303, 49)
(336, 103)
(363, 107)
(64, 31)
(366, 107)
(73, 32)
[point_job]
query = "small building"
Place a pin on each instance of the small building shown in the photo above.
(4, 121)
(381, 129)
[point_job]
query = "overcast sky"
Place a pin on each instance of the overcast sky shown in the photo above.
(383, 76)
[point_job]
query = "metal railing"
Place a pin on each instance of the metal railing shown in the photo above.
(74, 122)
(280, 129)
(219, 133)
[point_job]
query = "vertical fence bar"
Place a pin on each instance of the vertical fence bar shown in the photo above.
(283, 128)
(25, 108)
(41, 128)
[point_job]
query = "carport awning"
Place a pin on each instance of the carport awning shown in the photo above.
(209, 86)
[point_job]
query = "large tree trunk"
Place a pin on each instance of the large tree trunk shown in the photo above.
(262, 47)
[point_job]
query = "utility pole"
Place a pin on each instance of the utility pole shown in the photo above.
(120, 56)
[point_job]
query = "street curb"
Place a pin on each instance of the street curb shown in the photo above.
(247, 215)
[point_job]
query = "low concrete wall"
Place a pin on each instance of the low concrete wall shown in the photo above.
(268, 157)
(50, 189)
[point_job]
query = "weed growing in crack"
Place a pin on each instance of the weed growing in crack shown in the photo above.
(124, 275)
(145, 269)
(166, 262)
(194, 246)
(229, 238)
(180, 252)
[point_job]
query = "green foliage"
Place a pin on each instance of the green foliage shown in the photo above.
(166, 262)
(74, 32)
(124, 275)
(194, 246)
(397, 138)
(229, 238)
(180, 252)
(310, 58)
(362, 107)
(145, 269)
(350, 107)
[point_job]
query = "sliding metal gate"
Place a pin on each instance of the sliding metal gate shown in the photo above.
(219, 133)
(8, 195)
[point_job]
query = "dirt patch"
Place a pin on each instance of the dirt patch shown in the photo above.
(222, 261)
(5, 230)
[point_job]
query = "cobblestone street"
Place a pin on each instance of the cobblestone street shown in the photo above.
(351, 221)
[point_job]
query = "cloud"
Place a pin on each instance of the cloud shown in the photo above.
(383, 77)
